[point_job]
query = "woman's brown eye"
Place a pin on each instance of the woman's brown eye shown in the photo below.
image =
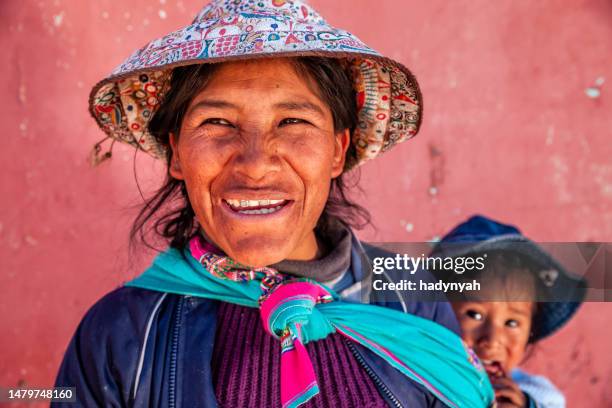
(292, 121)
(217, 121)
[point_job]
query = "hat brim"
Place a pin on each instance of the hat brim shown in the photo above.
(390, 110)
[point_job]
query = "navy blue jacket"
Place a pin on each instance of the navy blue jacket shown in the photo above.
(142, 348)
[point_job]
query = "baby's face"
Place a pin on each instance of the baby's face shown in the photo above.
(497, 331)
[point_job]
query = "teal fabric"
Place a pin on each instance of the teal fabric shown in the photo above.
(436, 356)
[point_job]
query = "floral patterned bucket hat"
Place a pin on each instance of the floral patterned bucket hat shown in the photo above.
(388, 96)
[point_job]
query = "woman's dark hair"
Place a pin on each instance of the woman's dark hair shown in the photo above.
(168, 213)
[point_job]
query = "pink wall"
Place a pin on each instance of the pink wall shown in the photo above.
(508, 131)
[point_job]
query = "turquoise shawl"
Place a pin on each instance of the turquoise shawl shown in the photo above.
(423, 350)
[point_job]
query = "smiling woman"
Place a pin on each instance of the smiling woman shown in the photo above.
(263, 298)
(230, 149)
(250, 156)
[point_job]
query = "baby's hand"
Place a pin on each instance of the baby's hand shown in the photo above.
(508, 394)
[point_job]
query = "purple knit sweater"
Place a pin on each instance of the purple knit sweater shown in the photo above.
(246, 366)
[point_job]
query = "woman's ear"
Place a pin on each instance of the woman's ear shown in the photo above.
(175, 163)
(341, 145)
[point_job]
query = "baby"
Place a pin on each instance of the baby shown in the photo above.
(514, 308)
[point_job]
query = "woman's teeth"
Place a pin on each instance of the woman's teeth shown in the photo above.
(256, 207)
(253, 203)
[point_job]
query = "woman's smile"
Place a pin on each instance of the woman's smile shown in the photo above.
(258, 150)
(254, 209)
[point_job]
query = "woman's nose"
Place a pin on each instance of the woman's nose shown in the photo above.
(257, 156)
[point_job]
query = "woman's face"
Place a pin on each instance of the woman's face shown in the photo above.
(257, 151)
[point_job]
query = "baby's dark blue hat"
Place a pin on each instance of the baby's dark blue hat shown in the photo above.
(480, 234)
